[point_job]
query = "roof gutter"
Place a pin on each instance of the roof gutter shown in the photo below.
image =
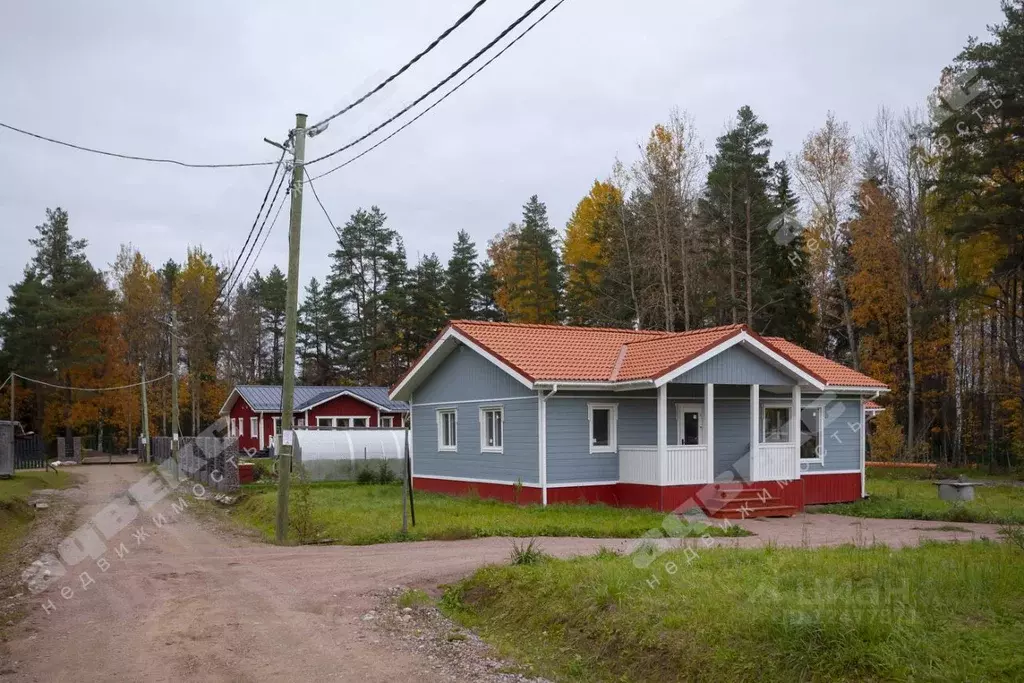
(629, 385)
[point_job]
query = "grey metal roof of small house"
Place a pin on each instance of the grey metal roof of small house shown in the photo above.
(268, 398)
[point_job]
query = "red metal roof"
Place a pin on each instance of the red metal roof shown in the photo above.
(581, 354)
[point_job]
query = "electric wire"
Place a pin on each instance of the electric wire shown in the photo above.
(259, 213)
(131, 157)
(60, 386)
(442, 99)
(309, 181)
(245, 263)
(435, 88)
(380, 86)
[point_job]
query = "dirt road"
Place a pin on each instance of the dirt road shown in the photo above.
(191, 603)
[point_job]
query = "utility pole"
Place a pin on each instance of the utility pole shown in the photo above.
(145, 415)
(174, 390)
(284, 463)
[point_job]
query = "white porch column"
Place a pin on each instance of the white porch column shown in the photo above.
(755, 431)
(662, 435)
(709, 430)
(794, 432)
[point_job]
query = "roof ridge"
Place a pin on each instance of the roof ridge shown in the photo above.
(557, 326)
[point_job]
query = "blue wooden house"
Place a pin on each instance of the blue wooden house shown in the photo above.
(719, 418)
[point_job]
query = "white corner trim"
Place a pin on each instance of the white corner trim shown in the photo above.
(765, 352)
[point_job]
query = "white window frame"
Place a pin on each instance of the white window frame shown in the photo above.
(484, 448)
(390, 421)
(774, 405)
(613, 427)
(275, 424)
(352, 421)
(328, 418)
(454, 447)
(254, 426)
(690, 408)
(820, 459)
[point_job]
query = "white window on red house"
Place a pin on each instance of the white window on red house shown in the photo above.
(360, 422)
(387, 421)
(254, 426)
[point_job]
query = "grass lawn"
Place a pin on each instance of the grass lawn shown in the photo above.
(900, 498)
(361, 514)
(15, 514)
(939, 612)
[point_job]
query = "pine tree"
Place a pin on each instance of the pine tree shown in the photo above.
(462, 283)
(427, 315)
(314, 336)
(51, 326)
(527, 269)
(273, 302)
(364, 265)
(786, 275)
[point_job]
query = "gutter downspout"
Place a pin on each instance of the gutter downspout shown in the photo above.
(543, 439)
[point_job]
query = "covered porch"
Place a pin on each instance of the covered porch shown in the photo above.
(748, 433)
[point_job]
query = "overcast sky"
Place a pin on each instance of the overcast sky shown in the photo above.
(206, 81)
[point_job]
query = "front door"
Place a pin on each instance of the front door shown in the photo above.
(689, 424)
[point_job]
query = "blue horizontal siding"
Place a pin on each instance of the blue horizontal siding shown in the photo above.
(735, 365)
(518, 461)
(465, 375)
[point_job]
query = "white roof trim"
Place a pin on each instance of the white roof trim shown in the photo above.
(449, 335)
(348, 392)
(760, 349)
(228, 403)
(857, 390)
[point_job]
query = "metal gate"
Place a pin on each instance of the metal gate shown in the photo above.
(29, 453)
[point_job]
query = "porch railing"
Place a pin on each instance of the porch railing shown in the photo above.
(685, 465)
(775, 462)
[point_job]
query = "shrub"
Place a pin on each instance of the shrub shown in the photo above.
(384, 473)
(530, 553)
(886, 438)
(366, 476)
(302, 513)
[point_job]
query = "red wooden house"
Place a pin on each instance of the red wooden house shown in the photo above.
(254, 412)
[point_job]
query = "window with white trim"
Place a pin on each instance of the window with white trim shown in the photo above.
(254, 426)
(360, 422)
(447, 430)
(277, 425)
(812, 442)
(603, 420)
(775, 424)
(325, 422)
(492, 427)
(387, 421)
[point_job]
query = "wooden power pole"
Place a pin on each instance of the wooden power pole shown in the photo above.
(145, 416)
(174, 390)
(284, 463)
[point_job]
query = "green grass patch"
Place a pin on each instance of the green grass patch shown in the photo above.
(414, 598)
(937, 612)
(15, 514)
(919, 499)
(361, 514)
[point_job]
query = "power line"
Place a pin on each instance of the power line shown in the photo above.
(434, 89)
(245, 246)
(442, 99)
(408, 64)
(267, 236)
(258, 234)
(309, 181)
(132, 157)
(58, 386)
